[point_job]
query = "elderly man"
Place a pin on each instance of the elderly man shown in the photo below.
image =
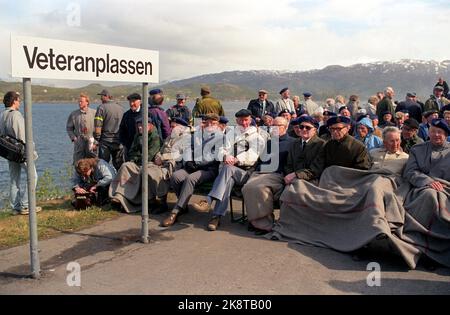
(180, 110)
(343, 149)
(410, 105)
(390, 157)
(285, 102)
(437, 100)
(386, 104)
(425, 126)
(128, 125)
(207, 105)
(265, 186)
(260, 106)
(309, 105)
(196, 171)
(107, 123)
(240, 154)
(409, 135)
(80, 128)
(159, 115)
(428, 173)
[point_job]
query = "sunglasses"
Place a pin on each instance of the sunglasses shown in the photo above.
(301, 127)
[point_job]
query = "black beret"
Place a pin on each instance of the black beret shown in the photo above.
(307, 119)
(337, 120)
(411, 123)
(156, 91)
(342, 108)
(243, 113)
(180, 121)
(223, 120)
(285, 111)
(441, 123)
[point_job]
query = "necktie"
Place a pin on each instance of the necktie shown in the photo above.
(303, 145)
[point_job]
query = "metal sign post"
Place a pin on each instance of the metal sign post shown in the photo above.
(31, 180)
(145, 217)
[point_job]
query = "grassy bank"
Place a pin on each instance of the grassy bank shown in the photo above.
(57, 217)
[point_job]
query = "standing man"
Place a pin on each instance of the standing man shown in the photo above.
(207, 105)
(436, 101)
(12, 124)
(285, 102)
(310, 106)
(80, 128)
(260, 106)
(128, 125)
(386, 104)
(180, 110)
(107, 123)
(159, 115)
(413, 108)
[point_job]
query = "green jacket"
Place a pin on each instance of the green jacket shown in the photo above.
(408, 144)
(348, 153)
(385, 105)
(431, 103)
(135, 153)
(207, 105)
(308, 164)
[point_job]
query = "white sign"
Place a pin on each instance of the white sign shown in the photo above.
(33, 57)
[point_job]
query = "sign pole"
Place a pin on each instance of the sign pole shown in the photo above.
(145, 217)
(31, 180)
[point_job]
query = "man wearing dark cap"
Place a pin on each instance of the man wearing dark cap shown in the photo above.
(437, 100)
(285, 102)
(309, 105)
(260, 106)
(409, 135)
(180, 109)
(207, 104)
(159, 115)
(107, 123)
(425, 126)
(239, 155)
(410, 104)
(128, 125)
(343, 149)
(324, 132)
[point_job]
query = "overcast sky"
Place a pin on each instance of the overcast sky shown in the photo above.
(198, 37)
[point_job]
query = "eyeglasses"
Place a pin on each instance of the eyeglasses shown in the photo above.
(301, 127)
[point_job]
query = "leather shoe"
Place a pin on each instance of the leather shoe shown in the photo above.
(213, 224)
(170, 220)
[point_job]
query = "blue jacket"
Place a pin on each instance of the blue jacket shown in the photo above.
(370, 141)
(102, 176)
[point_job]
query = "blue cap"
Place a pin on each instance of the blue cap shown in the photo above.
(338, 120)
(155, 91)
(329, 113)
(180, 121)
(307, 119)
(441, 123)
(284, 90)
(307, 94)
(223, 120)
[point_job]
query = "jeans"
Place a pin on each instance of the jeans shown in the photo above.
(110, 150)
(18, 197)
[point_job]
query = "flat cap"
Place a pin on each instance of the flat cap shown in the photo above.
(104, 93)
(243, 113)
(441, 123)
(338, 120)
(134, 96)
(411, 123)
(263, 92)
(284, 90)
(181, 96)
(307, 94)
(206, 89)
(412, 94)
(429, 113)
(438, 87)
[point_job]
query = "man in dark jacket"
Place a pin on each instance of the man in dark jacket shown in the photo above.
(180, 110)
(260, 107)
(128, 127)
(413, 108)
(343, 149)
(386, 104)
(409, 135)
